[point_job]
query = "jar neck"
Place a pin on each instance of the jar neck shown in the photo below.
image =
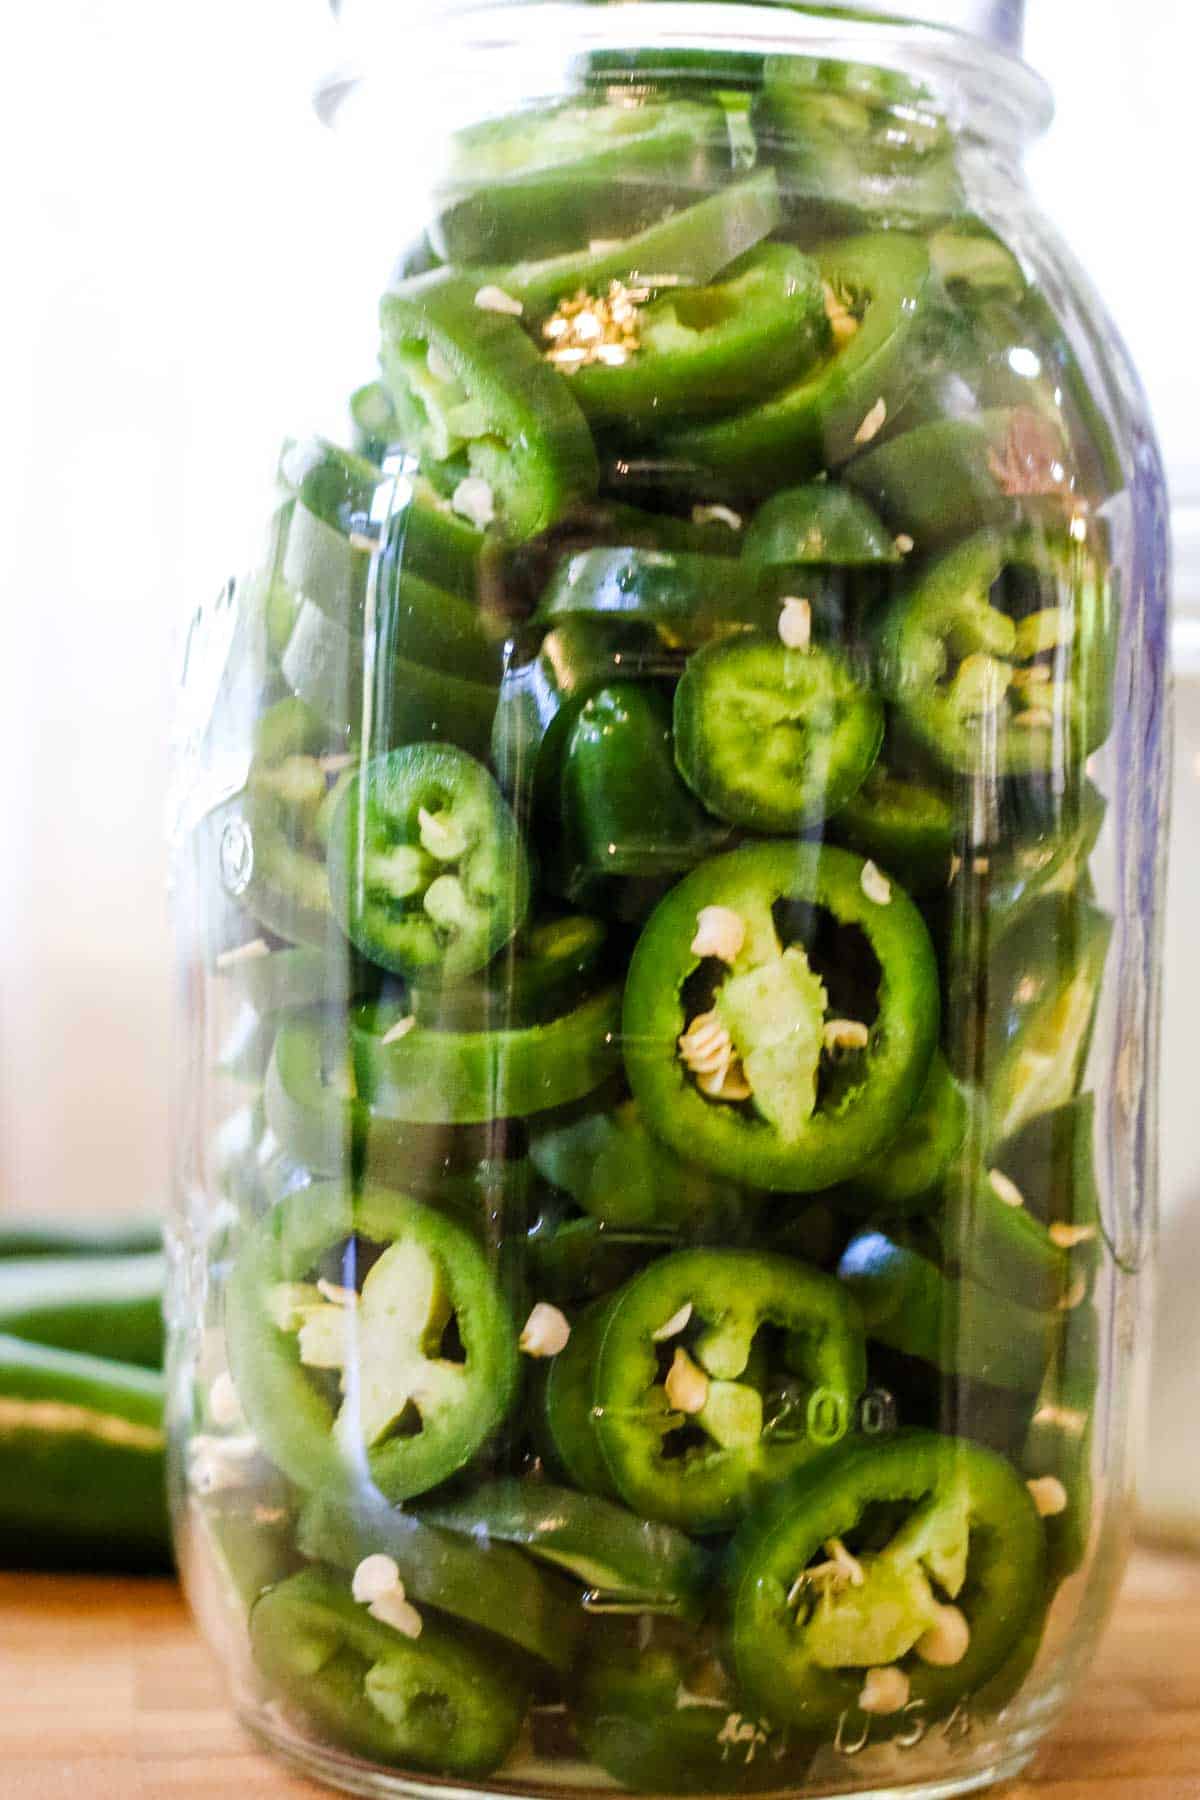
(492, 56)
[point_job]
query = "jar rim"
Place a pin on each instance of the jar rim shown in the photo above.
(1004, 98)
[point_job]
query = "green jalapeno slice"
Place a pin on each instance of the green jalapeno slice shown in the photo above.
(337, 1379)
(821, 523)
(422, 1076)
(620, 1174)
(690, 351)
(855, 145)
(951, 1323)
(691, 247)
(906, 1175)
(737, 1039)
(690, 1430)
(483, 1583)
(1000, 656)
(546, 181)
(544, 972)
(428, 873)
(877, 284)
(855, 1565)
(909, 826)
(688, 597)
(773, 738)
(440, 1701)
(464, 377)
(659, 1709)
(569, 1405)
(623, 809)
(625, 1564)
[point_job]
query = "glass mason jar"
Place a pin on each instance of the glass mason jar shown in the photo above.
(668, 856)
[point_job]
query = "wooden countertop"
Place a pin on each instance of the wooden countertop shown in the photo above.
(107, 1693)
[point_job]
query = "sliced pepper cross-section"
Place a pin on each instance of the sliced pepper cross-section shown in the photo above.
(465, 378)
(398, 1374)
(794, 1058)
(773, 738)
(819, 1602)
(877, 284)
(427, 871)
(695, 1415)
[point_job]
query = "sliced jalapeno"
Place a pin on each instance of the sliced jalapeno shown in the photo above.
(627, 1564)
(855, 145)
(876, 282)
(909, 827)
(560, 177)
(327, 1286)
(690, 246)
(917, 1158)
(423, 1076)
(620, 1174)
(1000, 656)
(952, 476)
(464, 378)
(953, 1324)
(790, 1065)
(428, 873)
(569, 1405)
(819, 1599)
(485, 1584)
(690, 597)
(691, 351)
(660, 1711)
(773, 738)
(441, 1701)
(818, 523)
(538, 977)
(400, 702)
(688, 1434)
(623, 808)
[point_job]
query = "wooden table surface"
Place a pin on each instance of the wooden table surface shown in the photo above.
(106, 1693)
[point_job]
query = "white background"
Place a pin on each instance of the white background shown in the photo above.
(189, 250)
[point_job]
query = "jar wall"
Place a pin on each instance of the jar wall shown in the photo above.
(668, 849)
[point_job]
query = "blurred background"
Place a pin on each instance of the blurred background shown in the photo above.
(197, 266)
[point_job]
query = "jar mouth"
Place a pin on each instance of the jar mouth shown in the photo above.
(514, 51)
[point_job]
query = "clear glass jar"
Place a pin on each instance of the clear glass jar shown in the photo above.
(668, 861)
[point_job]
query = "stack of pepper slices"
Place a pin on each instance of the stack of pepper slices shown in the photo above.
(656, 1289)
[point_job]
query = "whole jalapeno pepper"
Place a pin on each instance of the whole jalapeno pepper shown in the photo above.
(101, 1306)
(440, 1701)
(1001, 653)
(428, 873)
(84, 1452)
(674, 1359)
(466, 378)
(819, 1601)
(759, 1039)
(773, 738)
(412, 1415)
